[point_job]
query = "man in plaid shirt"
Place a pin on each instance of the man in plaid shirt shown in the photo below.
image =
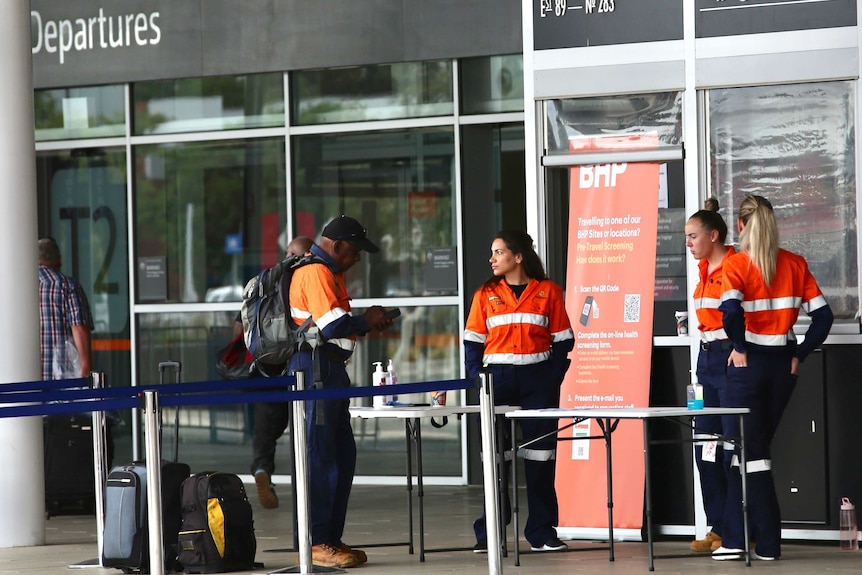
(64, 312)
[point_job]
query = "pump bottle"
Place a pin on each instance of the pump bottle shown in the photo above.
(378, 378)
(391, 379)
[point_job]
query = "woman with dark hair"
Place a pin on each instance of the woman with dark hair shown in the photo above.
(705, 234)
(518, 330)
(763, 288)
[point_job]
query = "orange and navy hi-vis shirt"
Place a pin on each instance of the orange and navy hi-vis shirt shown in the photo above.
(517, 331)
(770, 311)
(707, 298)
(318, 291)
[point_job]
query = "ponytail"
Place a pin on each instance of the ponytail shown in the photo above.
(759, 236)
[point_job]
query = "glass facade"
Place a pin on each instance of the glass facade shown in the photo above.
(400, 185)
(197, 104)
(210, 215)
(653, 120)
(363, 93)
(76, 113)
(795, 145)
(214, 184)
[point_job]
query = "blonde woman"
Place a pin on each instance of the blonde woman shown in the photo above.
(763, 288)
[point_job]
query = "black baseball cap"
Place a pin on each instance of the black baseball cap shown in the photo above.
(346, 228)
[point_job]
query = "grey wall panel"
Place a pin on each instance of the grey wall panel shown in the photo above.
(621, 79)
(298, 34)
(763, 69)
(455, 28)
(190, 38)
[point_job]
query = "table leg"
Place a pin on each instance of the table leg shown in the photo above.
(648, 495)
(409, 436)
(607, 431)
(514, 444)
(744, 471)
(417, 434)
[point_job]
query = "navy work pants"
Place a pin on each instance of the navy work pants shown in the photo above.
(765, 387)
(712, 374)
(331, 450)
(531, 387)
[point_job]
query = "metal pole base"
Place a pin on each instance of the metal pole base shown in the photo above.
(86, 564)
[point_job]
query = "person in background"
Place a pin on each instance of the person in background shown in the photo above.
(519, 331)
(705, 234)
(763, 288)
(64, 315)
(270, 419)
(319, 291)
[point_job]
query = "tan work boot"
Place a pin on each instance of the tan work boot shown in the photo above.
(325, 555)
(265, 491)
(360, 555)
(708, 544)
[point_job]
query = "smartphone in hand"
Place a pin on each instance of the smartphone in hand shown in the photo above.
(392, 313)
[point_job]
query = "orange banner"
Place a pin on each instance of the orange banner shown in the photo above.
(613, 223)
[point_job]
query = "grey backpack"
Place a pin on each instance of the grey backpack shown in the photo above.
(270, 334)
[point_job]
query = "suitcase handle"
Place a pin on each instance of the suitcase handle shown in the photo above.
(163, 366)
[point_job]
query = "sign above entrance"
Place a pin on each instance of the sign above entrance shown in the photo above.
(579, 23)
(733, 17)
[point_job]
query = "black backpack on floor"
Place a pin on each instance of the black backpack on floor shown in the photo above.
(217, 533)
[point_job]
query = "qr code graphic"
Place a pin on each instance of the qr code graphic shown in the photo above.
(632, 312)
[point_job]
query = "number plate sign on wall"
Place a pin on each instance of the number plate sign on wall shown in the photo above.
(732, 17)
(579, 23)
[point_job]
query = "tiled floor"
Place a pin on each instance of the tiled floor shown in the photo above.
(378, 515)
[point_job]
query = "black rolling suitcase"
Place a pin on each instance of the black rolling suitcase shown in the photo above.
(126, 539)
(69, 477)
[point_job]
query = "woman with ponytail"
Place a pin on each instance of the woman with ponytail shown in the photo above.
(705, 234)
(763, 288)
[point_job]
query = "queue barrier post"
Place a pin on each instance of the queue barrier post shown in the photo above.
(489, 468)
(100, 462)
(154, 482)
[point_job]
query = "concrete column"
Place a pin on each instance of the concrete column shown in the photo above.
(22, 521)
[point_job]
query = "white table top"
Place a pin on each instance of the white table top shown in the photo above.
(414, 411)
(621, 412)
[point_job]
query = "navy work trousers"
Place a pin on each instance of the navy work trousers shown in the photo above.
(765, 387)
(712, 375)
(531, 387)
(331, 450)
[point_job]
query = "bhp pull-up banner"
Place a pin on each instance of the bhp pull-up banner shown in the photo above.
(609, 297)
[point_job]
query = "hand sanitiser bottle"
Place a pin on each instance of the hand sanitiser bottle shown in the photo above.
(378, 378)
(391, 379)
(847, 526)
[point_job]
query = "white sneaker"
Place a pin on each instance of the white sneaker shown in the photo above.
(754, 555)
(726, 554)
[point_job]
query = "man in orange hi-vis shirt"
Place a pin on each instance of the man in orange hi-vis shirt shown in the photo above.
(318, 291)
(764, 288)
(518, 330)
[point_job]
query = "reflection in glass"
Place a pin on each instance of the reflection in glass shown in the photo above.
(82, 204)
(212, 437)
(400, 185)
(381, 92)
(75, 113)
(795, 145)
(424, 345)
(208, 216)
(657, 114)
(222, 103)
(492, 84)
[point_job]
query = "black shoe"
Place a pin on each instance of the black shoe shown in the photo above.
(480, 547)
(552, 544)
